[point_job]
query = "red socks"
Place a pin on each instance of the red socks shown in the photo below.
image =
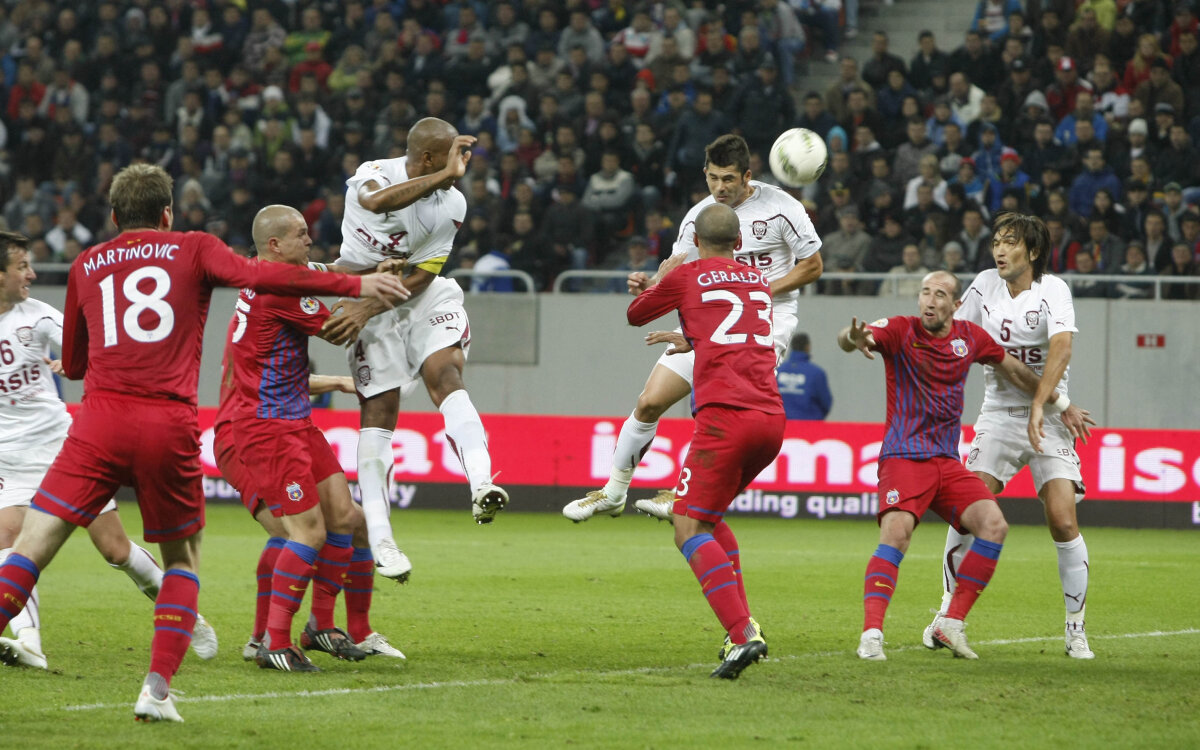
(174, 618)
(720, 586)
(724, 537)
(357, 593)
(973, 576)
(293, 570)
(266, 569)
(333, 566)
(18, 576)
(882, 571)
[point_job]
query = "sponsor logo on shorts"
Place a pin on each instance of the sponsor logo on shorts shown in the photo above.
(294, 492)
(959, 347)
(25, 335)
(309, 305)
(1031, 318)
(364, 375)
(893, 497)
(759, 229)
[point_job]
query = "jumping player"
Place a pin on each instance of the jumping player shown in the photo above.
(778, 239)
(408, 208)
(33, 426)
(297, 490)
(927, 358)
(134, 324)
(725, 312)
(1031, 314)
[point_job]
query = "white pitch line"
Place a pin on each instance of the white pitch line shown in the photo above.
(180, 698)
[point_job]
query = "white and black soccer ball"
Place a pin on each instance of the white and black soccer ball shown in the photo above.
(798, 157)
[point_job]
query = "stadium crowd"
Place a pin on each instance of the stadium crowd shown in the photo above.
(592, 119)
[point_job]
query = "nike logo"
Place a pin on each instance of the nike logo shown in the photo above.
(296, 588)
(919, 345)
(883, 585)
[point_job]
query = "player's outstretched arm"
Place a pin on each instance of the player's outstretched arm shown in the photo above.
(857, 336)
(380, 200)
(679, 343)
(806, 271)
(318, 384)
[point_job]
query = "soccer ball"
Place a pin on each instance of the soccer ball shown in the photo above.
(798, 157)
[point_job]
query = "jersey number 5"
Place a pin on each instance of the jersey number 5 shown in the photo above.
(722, 334)
(139, 302)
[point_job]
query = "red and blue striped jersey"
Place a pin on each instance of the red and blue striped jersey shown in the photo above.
(925, 379)
(266, 356)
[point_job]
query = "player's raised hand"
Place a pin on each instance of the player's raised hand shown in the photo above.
(55, 365)
(679, 344)
(386, 287)
(394, 266)
(1036, 428)
(637, 282)
(669, 265)
(460, 155)
(346, 321)
(1078, 421)
(861, 337)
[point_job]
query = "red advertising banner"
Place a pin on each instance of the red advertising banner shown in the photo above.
(837, 459)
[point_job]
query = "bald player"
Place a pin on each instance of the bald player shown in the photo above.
(408, 208)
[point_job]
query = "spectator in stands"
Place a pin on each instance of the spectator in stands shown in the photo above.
(942, 115)
(1105, 248)
(844, 250)
(886, 250)
(972, 59)
(637, 258)
(1111, 98)
(965, 98)
(991, 18)
(928, 176)
(1085, 265)
(610, 196)
(761, 109)
(1084, 110)
(1158, 88)
(1164, 120)
(1182, 264)
(1010, 177)
(815, 117)
(569, 227)
(848, 80)
(890, 100)
(821, 16)
(66, 226)
(882, 62)
(971, 185)
(905, 164)
(928, 55)
(785, 36)
(910, 267)
(1086, 39)
(581, 32)
(1067, 83)
(1155, 240)
(1135, 264)
(1177, 163)
(1063, 247)
(1096, 175)
(26, 201)
(976, 239)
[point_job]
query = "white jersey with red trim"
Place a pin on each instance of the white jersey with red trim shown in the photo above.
(1023, 325)
(776, 232)
(422, 232)
(31, 413)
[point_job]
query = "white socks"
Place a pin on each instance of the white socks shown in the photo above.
(464, 429)
(143, 570)
(956, 549)
(632, 444)
(1073, 572)
(27, 617)
(375, 461)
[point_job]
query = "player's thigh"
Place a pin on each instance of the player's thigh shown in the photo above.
(1000, 447)
(783, 325)
(21, 473)
(442, 372)
(437, 325)
(233, 468)
(87, 472)
(725, 441)
(762, 435)
(167, 476)
(183, 553)
(279, 451)
(958, 491)
(337, 505)
(906, 485)
(377, 359)
(1058, 460)
(109, 537)
(11, 517)
(661, 384)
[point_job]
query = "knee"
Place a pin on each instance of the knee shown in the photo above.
(1063, 529)
(995, 528)
(649, 408)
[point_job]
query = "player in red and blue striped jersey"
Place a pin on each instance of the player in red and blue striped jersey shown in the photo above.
(725, 312)
(927, 359)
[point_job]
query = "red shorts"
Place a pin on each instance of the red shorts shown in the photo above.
(229, 463)
(151, 445)
(940, 484)
(290, 458)
(729, 449)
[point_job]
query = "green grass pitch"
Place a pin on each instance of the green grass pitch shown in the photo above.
(535, 632)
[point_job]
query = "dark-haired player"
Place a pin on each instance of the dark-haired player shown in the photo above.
(927, 358)
(1031, 314)
(778, 239)
(134, 325)
(725, 313)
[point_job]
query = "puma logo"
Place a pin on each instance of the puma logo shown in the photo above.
(1074, 597)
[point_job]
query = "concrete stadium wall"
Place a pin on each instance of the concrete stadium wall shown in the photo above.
(573, 354)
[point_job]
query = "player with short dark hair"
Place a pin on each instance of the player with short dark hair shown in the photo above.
(777, 238)
(134, 326)
(725, 312)
(927, 358)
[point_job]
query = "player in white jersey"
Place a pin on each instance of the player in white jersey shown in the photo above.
(408, 208)
(777, 238)
(33, 425)
(1030, 313)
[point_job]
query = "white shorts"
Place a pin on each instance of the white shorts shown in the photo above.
(1001, 447)
(394, 345)
(21, 474)
(782, 327)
